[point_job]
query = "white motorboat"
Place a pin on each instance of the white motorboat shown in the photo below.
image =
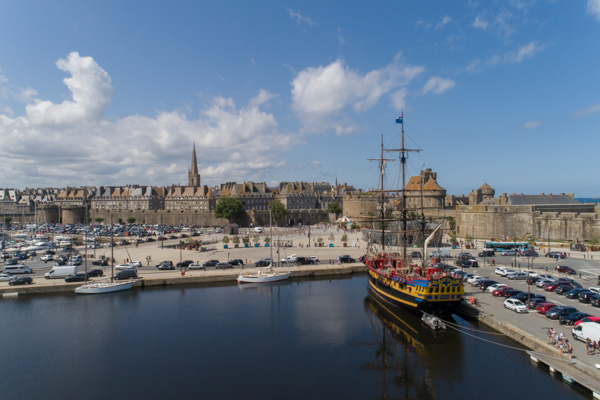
(104, 287)
(263, 275)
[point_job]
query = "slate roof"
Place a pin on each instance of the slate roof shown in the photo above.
(540, 199)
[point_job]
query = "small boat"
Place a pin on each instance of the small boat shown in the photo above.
(267, 274)
(433, 322)
(263, 275)
(104, 287)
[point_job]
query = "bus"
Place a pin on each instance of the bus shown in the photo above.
(501, 246)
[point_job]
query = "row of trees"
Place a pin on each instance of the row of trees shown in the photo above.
(231, 208)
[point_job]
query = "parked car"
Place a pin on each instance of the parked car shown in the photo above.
(509, 252)
(126, 274)
(523, 296)
(315, 259)
(463, 254)
(210, 264)
(515, 305)
(559, 311)
(543, 282)
(495, 286)
(500, 270)
(487, 253)
(463, 263)
(556, 254)
(102, 262)
(517, 276)
(531, 280)
(303, 261)
(223, 265)
(475, 281)
(5, 276)
(95, 272)
(590, 318)
(565, 270)
(195, 266)
(485, 283)
(289, 259)
(263, 262)
(507, 271)
(416, 254)
(563, 288)
(533, 303)
(529, 253)
(511, 292)
(572, 318)
(236, 261)
(595, 300)
(500, 292)
(543, 308)
(184, 264)
(345, 259)
(80, 277)
(585, 296)
(120, 267)
(165, 265)
(20, 280)
(573, 293)
(47, 257)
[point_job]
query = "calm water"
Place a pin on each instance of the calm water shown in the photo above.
(320, 339)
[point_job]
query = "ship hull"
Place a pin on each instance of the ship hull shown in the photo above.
(400, 296)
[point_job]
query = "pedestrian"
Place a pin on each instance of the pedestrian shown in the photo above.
(588, 346)
(596, 347)
(569, 349)
(550, 333)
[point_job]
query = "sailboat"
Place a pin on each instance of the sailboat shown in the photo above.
(106, 287)
(395, 280)
(266, 274)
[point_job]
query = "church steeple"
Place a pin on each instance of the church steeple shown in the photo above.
(193, 175)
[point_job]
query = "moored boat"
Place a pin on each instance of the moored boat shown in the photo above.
(264, 275)
(104, 287)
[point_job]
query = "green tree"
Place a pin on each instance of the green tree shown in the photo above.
(334, 208)
(246, 239)
(344, 238)
(236, 239)
(256, 238)
(319, 240)
(229, 208)
(131, 220)
(99, 220)
(120, 221)
(7, 220)
(267, 239)
(331, 238)
(278, 209)
(225, 239)
(451, 223)
(593, 241)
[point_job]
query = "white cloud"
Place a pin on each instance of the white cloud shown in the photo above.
(90, 87)
(595, 109)
(300, 18)
(438, 85)
(445, 20)
(523, 52)
(323, 94)
(593, 8)
(71, 143)
(399, 99)
(316, 163)
(531, 124)
(480, 23)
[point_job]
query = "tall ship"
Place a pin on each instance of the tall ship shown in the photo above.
(393, 276)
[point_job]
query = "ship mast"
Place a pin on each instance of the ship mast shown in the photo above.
(382, 164)
(403, 155)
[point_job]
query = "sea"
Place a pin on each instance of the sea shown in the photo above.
(307, 339)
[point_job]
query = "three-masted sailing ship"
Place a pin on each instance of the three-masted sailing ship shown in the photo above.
(393, 277)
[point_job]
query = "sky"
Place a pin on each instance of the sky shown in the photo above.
(117, 92)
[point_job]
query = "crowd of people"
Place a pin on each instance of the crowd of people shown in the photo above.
(560, 341)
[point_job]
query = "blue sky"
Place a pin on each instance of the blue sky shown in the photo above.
(114, 93)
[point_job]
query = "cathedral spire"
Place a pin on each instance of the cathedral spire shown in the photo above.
(193, 175)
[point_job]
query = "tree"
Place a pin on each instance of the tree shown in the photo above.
(7, 220)
(236, 239)
(99, 220)
(331, 238)
(278, 209)
(267, 239)
(131, 220)
(246, 239)
(256, 238)
(334, 208)
(344, 238)
(120, 221)
(451, 223)
(225, 239)
(320, 240)
(229, 208)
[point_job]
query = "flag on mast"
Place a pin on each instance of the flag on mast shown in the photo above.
(399, 120)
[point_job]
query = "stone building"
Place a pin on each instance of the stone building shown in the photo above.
(423, 191)
(128, 198)
(189, 198)
(298, 195)
(253, 196)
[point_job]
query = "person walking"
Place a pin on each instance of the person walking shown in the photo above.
(569, 349)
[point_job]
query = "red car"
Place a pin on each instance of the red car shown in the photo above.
(551, 287)
(500, 292)
(542, 308)
(588, 319)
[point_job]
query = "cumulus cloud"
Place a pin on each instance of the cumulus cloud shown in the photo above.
(531, 124)
(82, 147)
(300, 18)
(91, 91)
(593, 8)
(438, 85)
(322, 96)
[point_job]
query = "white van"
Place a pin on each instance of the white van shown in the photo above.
(61, 271)
(441, 253)
(17, 269)
(587, 330)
